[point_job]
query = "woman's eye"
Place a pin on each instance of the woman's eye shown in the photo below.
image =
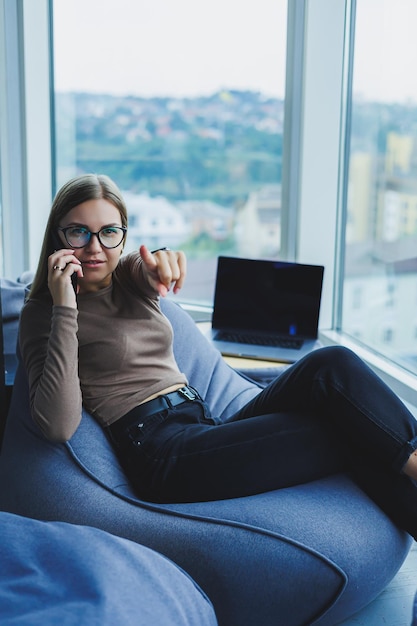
(78, 232)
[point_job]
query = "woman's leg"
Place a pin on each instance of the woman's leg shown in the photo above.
(395, 494)
(326, 409)
(378, 430)
(187, 458)
(334, 384)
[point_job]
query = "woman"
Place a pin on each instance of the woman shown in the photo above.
(105, 344)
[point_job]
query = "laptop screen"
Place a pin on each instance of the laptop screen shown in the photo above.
(267, 296)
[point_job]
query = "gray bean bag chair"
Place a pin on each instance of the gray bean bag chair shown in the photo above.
(312, 554)
(55, 573)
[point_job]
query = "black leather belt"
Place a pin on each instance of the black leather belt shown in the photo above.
(158, 404)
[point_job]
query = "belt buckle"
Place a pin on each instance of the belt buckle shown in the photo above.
(187, 393)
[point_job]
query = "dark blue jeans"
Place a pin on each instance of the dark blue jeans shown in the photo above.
(327, 413)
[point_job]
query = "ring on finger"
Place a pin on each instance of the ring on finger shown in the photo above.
(57, 267)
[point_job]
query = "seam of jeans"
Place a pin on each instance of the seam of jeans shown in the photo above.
(376, 421)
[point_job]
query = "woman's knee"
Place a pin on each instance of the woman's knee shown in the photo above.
(337, 356)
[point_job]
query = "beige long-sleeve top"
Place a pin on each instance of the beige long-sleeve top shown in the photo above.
(110, 354)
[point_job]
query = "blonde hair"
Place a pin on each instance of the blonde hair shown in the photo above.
(76, 191)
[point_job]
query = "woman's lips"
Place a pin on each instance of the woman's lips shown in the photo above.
(91, 263)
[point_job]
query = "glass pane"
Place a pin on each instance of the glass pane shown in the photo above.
(182, 104)
(380, 286)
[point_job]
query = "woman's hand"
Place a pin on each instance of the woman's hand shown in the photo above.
(164, 269)
(62, 264)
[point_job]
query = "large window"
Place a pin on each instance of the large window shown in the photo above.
(182, 104)
(380, 285)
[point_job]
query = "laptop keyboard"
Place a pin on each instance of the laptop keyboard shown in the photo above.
(257, 340)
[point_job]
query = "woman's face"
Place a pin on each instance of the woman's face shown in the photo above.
(98, 262)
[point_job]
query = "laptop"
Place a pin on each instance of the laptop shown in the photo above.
(266, 310)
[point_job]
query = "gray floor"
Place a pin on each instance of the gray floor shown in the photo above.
(394, 607)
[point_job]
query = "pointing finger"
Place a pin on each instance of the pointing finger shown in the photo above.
(147, 257)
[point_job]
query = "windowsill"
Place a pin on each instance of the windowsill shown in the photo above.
(199, 312)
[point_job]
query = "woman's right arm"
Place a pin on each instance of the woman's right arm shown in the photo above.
(49, 348)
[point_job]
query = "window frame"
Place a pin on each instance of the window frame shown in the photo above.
(319, 55)
(329, 61)
(25, 130)
(12, 138)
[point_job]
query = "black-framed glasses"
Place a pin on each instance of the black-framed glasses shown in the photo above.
(108, 236)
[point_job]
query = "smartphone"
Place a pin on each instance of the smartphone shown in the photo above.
(58, 245)
(74, 281)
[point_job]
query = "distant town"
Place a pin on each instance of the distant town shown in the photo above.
(205, 162)
(217, 148)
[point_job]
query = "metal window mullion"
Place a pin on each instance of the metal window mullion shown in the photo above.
(344, 160)
(293, 115)
(319, 175)
(12, 139)
(37, 109)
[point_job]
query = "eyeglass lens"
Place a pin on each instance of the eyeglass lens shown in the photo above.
(109, 237)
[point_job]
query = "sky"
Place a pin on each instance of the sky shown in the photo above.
(386, 50)
(167, 47)
(196, 47)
